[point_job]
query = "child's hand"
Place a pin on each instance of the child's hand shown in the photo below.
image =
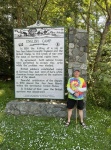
(76, 94)
(76, 90)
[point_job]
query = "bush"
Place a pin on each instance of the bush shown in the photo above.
(100, 94)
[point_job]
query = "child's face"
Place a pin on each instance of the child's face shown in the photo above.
(76, 74)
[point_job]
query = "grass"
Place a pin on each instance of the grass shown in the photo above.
(47, 133)
(6, 93)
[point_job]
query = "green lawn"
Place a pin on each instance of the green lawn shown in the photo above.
(6, 93)
(43, 133)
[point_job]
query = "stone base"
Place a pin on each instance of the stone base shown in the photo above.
(50, 109)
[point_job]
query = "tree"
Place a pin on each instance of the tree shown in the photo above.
(106, 9)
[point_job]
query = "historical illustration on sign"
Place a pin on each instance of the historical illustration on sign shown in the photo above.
(38, 32)
(39, 63)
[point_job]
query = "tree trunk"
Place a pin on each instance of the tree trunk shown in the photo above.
(19, 14)
(102, 42)
(88, 27)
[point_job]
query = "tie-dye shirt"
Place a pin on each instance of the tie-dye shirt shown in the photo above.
(74, 83)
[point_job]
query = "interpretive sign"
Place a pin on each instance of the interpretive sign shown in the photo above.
(39, 63)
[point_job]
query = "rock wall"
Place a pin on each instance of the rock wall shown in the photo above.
(78, 41)
(48, 109)
(17, 107)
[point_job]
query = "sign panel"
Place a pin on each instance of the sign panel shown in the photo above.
(39, 63)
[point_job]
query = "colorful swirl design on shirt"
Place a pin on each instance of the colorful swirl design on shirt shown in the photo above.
(74, 84)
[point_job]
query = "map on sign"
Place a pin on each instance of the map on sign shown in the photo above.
(39, 63)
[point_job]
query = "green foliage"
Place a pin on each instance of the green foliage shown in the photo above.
(99, 92)
(99, 81)
(6, 93)
(6, 45)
